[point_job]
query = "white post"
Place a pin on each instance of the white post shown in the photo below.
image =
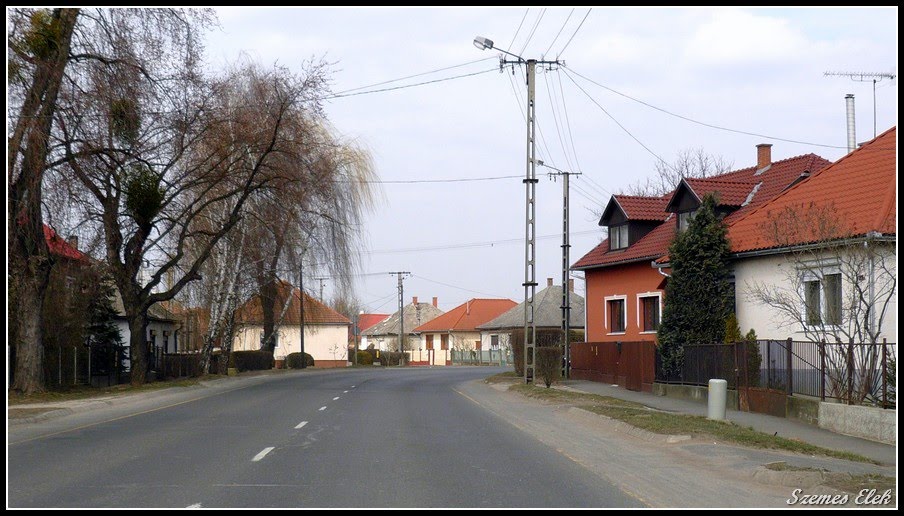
(718, 394)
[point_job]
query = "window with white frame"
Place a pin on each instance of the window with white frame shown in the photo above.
(822, 299)
(616, 315)
(684, 220)
(618, 236)
(648, 311)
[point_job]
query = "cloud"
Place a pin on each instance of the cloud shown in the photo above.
(738, 37)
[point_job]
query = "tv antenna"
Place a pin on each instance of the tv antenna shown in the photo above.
(865, 77)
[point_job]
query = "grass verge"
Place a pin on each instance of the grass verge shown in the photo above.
(857, 483)
(681, 424)
(80, 392)
(506, 377)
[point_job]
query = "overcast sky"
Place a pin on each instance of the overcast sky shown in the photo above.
(752, 70)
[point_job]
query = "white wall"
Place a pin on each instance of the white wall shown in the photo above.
(323, 342)
(157, 327)
(504, 339)
(768, 322)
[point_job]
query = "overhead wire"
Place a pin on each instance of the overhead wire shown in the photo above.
(559, 33)
(575, 32)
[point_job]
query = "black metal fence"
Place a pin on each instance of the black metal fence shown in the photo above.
(853, 373)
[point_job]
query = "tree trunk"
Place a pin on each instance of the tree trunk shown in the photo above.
(138, 351)
(28, 321)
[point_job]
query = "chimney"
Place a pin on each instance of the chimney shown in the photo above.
(763, 155)
(414, 300)
(851, 127)
(548, 282)
(434, 302)
(468, 308)
(73, 241)
(571, 285)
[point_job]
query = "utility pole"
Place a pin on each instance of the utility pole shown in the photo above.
(530, 184)
(566, 253)
(865, 77)
(301, 309)
(401, 276)
(321, 280)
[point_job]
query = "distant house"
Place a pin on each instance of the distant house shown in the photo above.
(325, 330)
(366, 322)
(625, 283)
(787, 245)
(384, 335)
(456, 329)
(496, 334)
(162, 330)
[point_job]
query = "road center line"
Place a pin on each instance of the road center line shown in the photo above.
(344, 392)
(336, 398)
(262, 454)
(299, 425)
(194, 506)
(322, 408)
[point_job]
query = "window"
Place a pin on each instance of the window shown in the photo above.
(618, 236)
(430, 342)
(822, 298)
(477, 345)
(444, 341)
(494, 341)
(684, 220)
(649, 310)
(617, 316)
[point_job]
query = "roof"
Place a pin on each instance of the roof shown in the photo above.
(415, 315)
(315, 312)
(468, 316)
(547, 312)
(640, 208)
(365, 321)
(859, 189)
(755, 186)
(58, 246)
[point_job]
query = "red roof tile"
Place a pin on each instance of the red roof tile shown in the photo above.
(734, 186)
(642, 208)
(859, 189)
(468, 316)
(315, 312)
(365, 321)
(58, 246)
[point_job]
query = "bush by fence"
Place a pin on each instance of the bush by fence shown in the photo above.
(251, 360)
(546, 337)
(294, 360)
(393, 358)
(364, 358)
(549, 364)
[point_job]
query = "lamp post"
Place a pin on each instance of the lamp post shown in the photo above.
(530, 184)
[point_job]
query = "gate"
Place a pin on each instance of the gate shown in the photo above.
(631, 365)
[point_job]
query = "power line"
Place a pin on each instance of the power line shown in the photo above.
(416, 75)
(574, 150)
(469, 245)
(552, 107)
(454, 286)
(519, 28)
(575, 32)
(338, 96)
(415, 181)
(623, 128)
(569, 71)
(531, 35)
(560, 32)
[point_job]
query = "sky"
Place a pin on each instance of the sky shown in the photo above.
(758, 71)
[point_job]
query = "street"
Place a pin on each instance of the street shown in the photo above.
(359, 438)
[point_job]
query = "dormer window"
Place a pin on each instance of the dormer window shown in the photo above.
(618, 236)
(684, 220)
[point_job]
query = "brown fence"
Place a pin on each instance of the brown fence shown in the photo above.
(629, 364)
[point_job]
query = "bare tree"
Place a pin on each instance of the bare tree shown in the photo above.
(695, 163)
(837, 286)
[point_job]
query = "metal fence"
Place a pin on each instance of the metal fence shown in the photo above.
(853, 373)
(481, 357)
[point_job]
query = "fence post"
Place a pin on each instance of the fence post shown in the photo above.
(74, 366)
(884, 375)
(822, 370)
(850, 375)
(790, 369)
(768, 364)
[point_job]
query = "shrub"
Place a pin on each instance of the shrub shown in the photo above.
(293, 360)
(393, 358)
(754, 359)
(546, 337)
(549, 364)
(364, 358)
(251, 360)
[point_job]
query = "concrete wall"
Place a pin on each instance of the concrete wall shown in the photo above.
(326, 343)
(802, 409)
(693, 393)
(871, 423)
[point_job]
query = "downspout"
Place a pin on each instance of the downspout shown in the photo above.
(659, 268)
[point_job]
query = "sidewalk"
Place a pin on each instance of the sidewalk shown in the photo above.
(783, 427)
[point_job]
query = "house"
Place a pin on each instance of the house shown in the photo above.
(366, 322)
(625, 284)
(325, 330)
(162, 329)
(496, 334)
(828, 245)
(457, 329)
(384, 335)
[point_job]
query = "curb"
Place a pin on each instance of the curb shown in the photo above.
(789, 478)
(40, 417)
(621, 426)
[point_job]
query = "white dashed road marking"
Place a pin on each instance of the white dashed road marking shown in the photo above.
(344, 392)
(322, 408)
(299, 425)
(336, 398)
(194, 506)
(262, 454)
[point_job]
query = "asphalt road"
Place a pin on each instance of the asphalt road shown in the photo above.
(350, 438)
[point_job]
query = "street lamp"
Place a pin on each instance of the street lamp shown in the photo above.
(530, 184)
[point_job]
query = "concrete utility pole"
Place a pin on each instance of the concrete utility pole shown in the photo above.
(301, 309)
(864, 77)
(566, 253)
(530, 183)
(321, 280)
(401, 276)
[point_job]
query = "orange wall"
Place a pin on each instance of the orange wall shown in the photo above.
(628, 280)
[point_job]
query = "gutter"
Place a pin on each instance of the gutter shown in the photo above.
(872, 237)
(659, 268)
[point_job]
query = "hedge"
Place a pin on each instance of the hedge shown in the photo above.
(546, 337)
(392, 358)
(293, 360)
(365, 358)
(251, 360)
